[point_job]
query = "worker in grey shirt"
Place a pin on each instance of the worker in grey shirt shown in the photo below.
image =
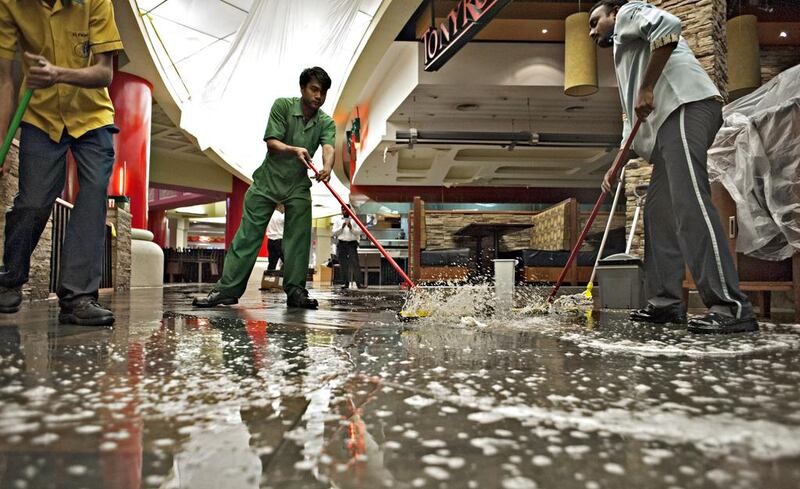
(662, 83)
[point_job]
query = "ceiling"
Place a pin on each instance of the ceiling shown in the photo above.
(191, 37)
(497, 109)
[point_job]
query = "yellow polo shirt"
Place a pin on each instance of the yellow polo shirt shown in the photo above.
(68, 37)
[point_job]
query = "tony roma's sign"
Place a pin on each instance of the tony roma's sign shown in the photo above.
(460, 25)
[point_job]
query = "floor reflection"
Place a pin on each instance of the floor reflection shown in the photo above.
(257, 396)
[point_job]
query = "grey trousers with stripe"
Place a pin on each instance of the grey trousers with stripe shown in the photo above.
(680, 221)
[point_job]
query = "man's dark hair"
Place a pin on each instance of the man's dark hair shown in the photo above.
(611, 4)
(319, 74)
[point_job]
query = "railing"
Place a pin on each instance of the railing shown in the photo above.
(61, 213)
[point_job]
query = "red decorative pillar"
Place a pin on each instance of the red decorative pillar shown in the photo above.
(157, 222)
(233, 209)
(233, 213)
(70, 193)
(133, 105)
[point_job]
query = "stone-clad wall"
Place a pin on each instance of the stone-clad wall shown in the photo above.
(39, 285)
(775, 59)
(704, 30)
(120, 218)
(441, 227)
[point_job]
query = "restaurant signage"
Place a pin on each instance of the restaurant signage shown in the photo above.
(458, 28)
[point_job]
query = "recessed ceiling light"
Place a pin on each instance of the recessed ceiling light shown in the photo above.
(467, 107)
(574, 108)
(784, 34)
(544, 31)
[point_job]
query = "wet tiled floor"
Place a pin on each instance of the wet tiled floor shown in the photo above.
(260, 396)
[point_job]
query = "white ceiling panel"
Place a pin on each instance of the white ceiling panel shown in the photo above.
(180, 41)
(197, 69)
(241, 4)
(211, 17)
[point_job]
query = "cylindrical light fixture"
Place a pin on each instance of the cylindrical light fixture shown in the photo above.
(580, 57)
(744, 63)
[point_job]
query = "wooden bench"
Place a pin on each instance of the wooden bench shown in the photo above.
(417, 243)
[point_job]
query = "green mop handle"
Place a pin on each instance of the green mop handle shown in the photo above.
(15, 122)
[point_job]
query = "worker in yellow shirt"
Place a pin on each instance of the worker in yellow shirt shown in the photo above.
(68, 48)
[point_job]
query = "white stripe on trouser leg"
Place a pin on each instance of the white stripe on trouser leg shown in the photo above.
(705, 216)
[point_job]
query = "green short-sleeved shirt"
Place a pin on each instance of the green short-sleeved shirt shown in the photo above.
(281, 174)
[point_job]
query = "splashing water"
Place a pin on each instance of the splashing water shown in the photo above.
(456, 302)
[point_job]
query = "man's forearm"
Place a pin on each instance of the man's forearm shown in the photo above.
(277, 147)
(96, 76)
(328, 156)
(658, 60)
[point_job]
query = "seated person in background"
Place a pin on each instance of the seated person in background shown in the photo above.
(346, 231)
(275, 238)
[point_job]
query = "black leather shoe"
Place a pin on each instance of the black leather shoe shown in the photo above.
(85, 311)
(659, 315)
(714, 323)
(214, 299)
(301, 299)
(10, 299)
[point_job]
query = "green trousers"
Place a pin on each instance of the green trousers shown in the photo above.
(243, 252)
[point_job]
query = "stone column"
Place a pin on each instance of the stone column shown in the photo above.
(120, 218)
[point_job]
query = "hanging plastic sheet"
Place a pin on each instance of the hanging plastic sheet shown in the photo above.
(756, 156)
(279, 38)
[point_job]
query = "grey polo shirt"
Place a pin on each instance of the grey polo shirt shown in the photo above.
(641, 28)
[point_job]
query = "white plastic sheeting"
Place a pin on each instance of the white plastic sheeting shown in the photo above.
(279, 38)
(756, 156)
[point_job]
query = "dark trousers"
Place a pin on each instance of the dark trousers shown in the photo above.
(347, 253)
(680, 220)
(275, 251)
(42, 172)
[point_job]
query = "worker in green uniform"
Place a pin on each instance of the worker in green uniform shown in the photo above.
(295, 130)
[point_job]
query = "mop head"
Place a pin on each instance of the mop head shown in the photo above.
(573, 303)
(412, 314)
(417, 305)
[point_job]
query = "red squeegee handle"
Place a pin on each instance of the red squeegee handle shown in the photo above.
(365, 230)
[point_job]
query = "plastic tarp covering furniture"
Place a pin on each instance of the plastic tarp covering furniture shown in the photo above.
(756, 156)
(278, 39)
